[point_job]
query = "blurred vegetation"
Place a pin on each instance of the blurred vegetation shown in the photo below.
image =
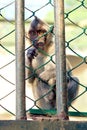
(78, 16)
(75, 15)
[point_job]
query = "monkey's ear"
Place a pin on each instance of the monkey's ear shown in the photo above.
(36, 17)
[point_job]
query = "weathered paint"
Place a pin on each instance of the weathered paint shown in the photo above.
(42, 125)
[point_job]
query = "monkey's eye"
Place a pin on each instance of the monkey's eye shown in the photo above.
(32, 33)
(41, 31)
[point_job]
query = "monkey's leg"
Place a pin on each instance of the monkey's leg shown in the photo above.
(72, 88)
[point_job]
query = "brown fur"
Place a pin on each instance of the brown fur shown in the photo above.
(43, 47)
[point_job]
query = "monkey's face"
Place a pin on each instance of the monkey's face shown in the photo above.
(38, 37)
(38, 34)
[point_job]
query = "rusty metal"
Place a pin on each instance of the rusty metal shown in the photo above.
(43, 125)
(61, 89)
(20, 60)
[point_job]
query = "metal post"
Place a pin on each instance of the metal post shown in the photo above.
(20, 60)
(61, 87)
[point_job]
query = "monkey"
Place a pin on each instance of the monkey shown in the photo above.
(41, 73)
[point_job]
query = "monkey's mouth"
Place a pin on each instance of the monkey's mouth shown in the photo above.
(40, 45)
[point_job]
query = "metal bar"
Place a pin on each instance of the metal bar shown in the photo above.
(61, 89)
(45, 124)
(20, 60)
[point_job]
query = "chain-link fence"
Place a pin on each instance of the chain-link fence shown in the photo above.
(75, 37)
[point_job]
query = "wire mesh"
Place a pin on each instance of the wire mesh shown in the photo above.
(75, 36)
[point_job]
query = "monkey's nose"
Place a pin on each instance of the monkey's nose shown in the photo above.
(40, 44)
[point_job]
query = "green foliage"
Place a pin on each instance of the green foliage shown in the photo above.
(77, 16)
(49, 18)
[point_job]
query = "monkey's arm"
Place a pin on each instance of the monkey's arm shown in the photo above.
(49, 73)
(31, 54)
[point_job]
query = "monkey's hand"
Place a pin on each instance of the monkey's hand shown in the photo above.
(47, 77)
(31, 53)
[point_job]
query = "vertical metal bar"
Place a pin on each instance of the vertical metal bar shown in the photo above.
(61, 87)
(20, 60)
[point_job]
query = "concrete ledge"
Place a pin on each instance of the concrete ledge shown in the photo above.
(43, 125)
